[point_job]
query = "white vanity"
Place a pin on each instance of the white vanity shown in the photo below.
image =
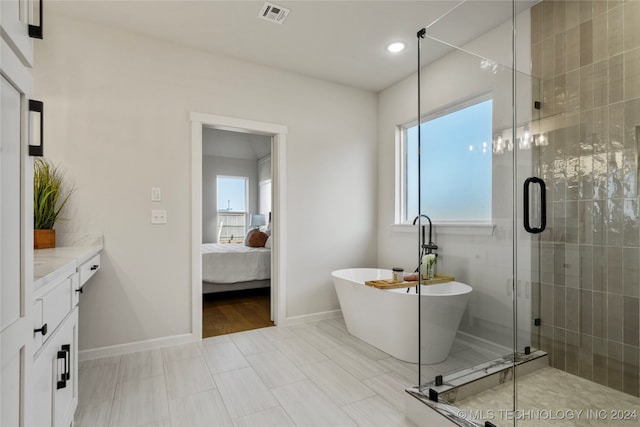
(59, 276)
(39, 292)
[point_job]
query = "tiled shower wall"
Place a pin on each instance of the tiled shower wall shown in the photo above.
(587, 57)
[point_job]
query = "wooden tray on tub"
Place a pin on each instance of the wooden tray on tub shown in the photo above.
(390, 284)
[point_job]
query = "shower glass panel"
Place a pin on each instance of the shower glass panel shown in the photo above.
(554, 307)
(588, 286)
(476, 251)
(493, 254)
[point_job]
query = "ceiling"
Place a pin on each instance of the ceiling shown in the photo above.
(338, 41)
(236, 145)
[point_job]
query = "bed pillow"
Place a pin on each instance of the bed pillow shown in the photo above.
(248, 235)
(267, 244)
(258, 239)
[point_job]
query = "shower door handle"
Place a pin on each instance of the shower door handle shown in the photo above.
(543, 205)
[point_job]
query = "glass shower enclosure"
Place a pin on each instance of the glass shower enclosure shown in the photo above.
(553, 319)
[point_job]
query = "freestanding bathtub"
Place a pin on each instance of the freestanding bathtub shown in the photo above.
(388, 319)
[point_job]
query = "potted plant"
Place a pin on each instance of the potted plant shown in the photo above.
(49, 197)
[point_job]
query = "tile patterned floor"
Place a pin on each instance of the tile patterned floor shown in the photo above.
(314, 374)
(553, 398)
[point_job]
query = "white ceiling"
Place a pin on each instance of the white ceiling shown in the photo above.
(338, 41)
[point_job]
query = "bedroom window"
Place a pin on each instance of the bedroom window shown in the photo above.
(232, 194)
(455, 165)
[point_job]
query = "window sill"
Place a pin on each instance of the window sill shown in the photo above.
(459, 228)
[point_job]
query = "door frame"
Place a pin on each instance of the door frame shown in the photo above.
(278, 134)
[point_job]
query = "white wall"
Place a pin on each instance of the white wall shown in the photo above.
(481, 257)
(117, 119)
(212, 166)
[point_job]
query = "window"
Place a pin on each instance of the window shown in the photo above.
(455, 165)
(232, 208)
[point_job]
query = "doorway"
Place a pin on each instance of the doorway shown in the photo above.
(201, 123)
(236, 229)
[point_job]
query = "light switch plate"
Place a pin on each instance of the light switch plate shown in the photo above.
(156, 194)
(158, 216)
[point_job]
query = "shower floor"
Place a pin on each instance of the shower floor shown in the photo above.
(551, 397)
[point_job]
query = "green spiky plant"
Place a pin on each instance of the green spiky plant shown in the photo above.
(49, 196)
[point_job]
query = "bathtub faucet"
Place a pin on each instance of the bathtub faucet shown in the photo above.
(430, 246)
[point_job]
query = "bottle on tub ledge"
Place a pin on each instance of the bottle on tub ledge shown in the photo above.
(428, 266)
(398, 274)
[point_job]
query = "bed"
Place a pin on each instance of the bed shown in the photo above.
(234, 266)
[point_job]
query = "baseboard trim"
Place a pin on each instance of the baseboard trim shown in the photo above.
(152, 344)
(309, 318)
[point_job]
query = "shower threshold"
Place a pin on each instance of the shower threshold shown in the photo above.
(442, 393)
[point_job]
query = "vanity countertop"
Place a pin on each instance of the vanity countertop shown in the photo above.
(50, 265)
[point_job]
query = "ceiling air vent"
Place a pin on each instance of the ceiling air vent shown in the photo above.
(273, 13)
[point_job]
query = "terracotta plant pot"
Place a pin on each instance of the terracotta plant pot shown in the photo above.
(44, 239)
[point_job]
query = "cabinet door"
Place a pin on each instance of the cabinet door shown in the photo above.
(15, 17)
(65, 399)
(55, 388)
(16, 242)
(43, 386)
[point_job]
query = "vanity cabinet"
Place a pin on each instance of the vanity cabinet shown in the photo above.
(38, 318)
(55, 360)
(55, 334)
(50, 308)
(55, 373)
(88, 269)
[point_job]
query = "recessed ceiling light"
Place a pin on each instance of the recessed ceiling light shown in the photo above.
(396, 47)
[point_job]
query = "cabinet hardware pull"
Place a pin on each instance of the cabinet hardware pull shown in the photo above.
(67, 361)
(62, 381)
(65, 355)
(37, 107)
(35, 31)
(42, 330)
(94, 267)
(79, 290)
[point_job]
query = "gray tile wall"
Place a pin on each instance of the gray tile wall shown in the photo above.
(587, 56)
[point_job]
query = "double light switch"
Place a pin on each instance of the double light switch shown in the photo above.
(158, 216)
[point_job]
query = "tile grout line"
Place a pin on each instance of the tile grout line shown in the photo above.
(306, 378)
(274, 341)
(217, 388)
(166, 382)
(115, 389)
(348, 374)
(389, 404)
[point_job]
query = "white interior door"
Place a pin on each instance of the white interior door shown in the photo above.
(264, 194)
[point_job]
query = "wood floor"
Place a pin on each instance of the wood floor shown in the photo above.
(229, 312)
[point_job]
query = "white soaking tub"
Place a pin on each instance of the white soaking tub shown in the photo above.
(388, 319)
